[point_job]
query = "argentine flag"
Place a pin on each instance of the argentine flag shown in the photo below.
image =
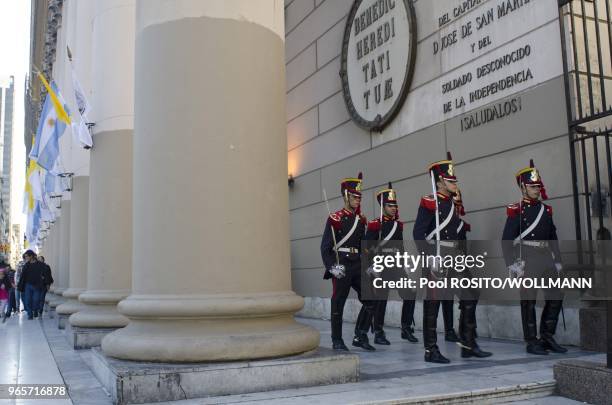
(33, 224)
(53, 122)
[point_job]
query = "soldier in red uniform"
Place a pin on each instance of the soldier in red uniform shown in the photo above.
(533, 237)
(341, 254)
(388, 227)
(441, 236)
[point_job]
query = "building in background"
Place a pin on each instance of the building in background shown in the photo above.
(16, 245)
(484, 80)
(7, 95)
(46, 19)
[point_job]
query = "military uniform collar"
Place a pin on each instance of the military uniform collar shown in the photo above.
(529, 201)
(348, 212)
(442, 196)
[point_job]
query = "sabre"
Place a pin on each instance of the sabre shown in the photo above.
(518, 267)
(333, 232)
(435, 194)
(370, 271)
(338, 269)
(563, 316)
(381, 217)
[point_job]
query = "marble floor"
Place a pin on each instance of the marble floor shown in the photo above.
(35, 351)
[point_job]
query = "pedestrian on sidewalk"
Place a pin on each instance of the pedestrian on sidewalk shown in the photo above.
(5, 287)
(19, 298)
(31, 283)
(47, 281)
(12, 304)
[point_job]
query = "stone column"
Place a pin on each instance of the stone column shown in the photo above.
(57, 230)
(50, 256)
(211, 277)
(55, 298)
(78, 246)
(109, 265)
(63, 252)
(64, 261)
(59, 275)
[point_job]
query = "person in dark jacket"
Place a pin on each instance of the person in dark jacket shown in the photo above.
(13, 294)
(31, 283)
(47, 281)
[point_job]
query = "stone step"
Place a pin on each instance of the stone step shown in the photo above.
(495, 395)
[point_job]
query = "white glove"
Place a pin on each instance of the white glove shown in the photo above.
(558, 267)
(371, 272)
(517, 269)
(338, 271)
(437, 270)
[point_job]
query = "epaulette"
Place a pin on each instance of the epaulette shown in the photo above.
(428, 201)
(467, 227)
(335, 219)
(548, 209)
(374, 226)
(513, 209)
(400, 224)
(336, 216)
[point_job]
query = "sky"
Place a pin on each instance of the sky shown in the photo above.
(14, 61)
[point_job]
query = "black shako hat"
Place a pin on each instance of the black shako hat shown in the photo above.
(444, 169)
(530, 176)
(351, 185)
(387, 196)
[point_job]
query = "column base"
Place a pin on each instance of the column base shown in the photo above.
(584, 381)
(56, 300)
(185, 329)
(139, 382)
(98, 317)
(85, 338)
(65, 310)
(62, 320)
(53, 304)
(73, 293)
(69, 307)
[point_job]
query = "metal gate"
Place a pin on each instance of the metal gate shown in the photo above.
(586, 45)
(586, 39)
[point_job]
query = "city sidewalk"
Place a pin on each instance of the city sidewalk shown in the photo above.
(25, 358)
(38, 352)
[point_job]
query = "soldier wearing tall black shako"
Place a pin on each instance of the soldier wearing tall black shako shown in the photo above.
(441, 237)
(388, 227)
(534, 252)
(341, 254)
